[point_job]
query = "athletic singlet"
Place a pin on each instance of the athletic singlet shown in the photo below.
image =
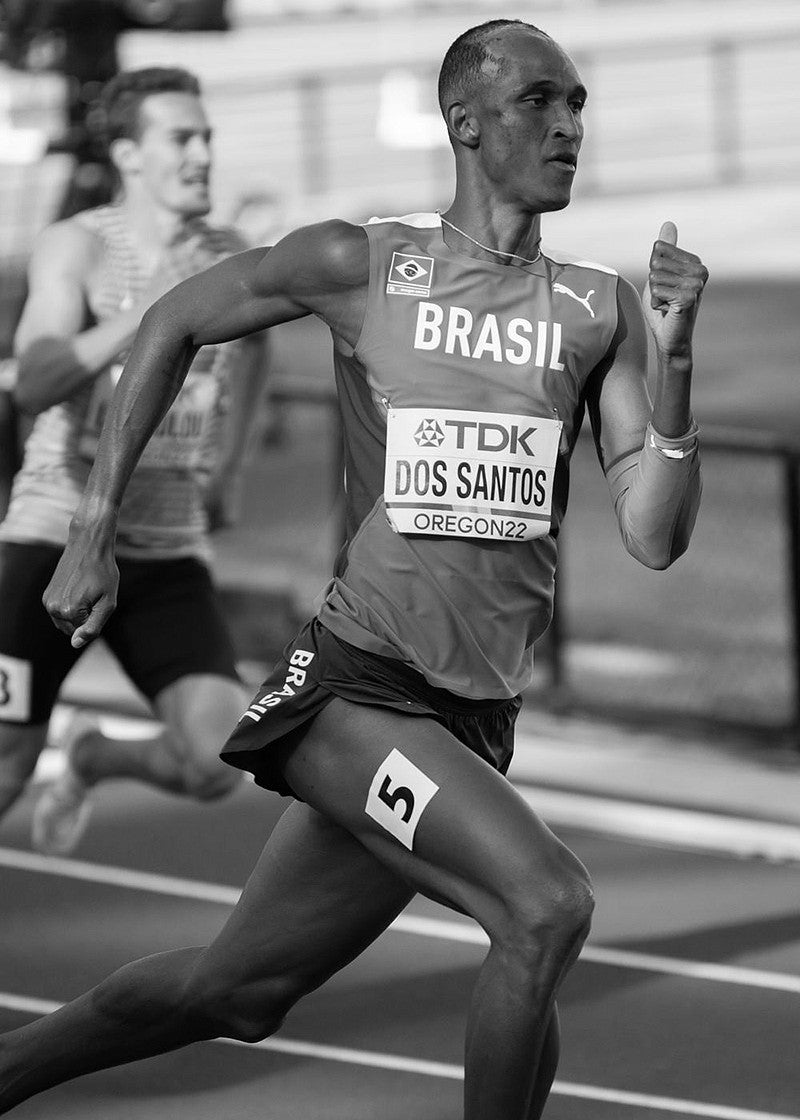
(461, 404)
(162, 513)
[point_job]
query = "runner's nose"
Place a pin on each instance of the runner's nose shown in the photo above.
(568, 124)
(199, 151)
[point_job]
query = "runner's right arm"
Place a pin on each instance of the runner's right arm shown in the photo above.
(58, 353)
(322, 270)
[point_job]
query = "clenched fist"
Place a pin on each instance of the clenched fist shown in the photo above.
(671, 297)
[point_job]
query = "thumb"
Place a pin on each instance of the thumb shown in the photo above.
(93, 624)
(669, 233)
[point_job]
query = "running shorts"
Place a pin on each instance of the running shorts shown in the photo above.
(167, 625)
(317, 666)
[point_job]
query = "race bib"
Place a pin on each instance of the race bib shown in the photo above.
(16, 680)
(455, 473)
(179, 439)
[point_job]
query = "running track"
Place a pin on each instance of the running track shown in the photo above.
(686, 1002)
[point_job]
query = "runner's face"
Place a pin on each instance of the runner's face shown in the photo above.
(530, 121)
(174, 149)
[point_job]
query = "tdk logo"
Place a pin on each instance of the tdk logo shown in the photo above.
(429, 434)
(485, 435)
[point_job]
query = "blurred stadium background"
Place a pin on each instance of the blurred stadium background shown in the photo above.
(324, 108)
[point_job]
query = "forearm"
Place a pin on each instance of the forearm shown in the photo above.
(672, 413)
(656, 494)
(52, 370)
(153, 374)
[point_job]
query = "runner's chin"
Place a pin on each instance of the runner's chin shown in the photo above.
(196, 200)
(558, 184)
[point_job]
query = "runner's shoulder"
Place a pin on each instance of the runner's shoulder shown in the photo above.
(333, 254)
(66, 248)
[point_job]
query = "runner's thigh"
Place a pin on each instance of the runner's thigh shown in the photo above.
(314, 901)
(431, 810)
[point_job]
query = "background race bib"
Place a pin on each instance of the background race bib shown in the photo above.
(450, 472)
(15, 688)
(179, 439)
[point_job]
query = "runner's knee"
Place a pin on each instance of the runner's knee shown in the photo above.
(556, 917)
(247, 1011)
(210, 781)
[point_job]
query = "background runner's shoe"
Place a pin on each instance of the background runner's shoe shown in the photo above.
(62, 813)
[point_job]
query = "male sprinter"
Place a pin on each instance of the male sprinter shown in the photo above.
(91, 279)
(465, 357)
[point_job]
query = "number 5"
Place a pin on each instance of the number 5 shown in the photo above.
(391, 798)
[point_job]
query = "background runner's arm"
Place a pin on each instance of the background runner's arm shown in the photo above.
(58, 353)
(650, 453)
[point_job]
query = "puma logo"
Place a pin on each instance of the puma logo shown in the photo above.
(563, 290)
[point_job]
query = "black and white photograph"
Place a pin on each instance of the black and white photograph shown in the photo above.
(399, 560)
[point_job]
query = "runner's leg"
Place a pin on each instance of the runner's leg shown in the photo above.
(315, 900)
(478, 847)
(170, 635)
(34, 660)
(20, 747)
(199, 712)
(526, 889)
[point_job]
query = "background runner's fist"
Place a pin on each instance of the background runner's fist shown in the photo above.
(672, 294)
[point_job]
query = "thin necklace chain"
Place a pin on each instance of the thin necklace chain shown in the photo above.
(487, 248)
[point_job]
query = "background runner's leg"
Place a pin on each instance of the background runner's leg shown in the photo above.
(20, 747)
(199, 712)
(477, 846)
(315, 900)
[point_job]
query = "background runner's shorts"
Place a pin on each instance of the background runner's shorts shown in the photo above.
(168, 624)
(317, 666)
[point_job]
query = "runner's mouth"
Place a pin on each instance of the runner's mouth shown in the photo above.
(565, 163)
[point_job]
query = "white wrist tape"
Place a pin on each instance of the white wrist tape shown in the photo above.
(677, 448)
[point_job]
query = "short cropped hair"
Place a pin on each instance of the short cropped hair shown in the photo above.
(121, 98)
(462, 65)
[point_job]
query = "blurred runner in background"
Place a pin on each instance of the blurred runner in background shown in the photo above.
(466, 355)
(91, 278)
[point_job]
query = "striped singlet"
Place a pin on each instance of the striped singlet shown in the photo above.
(162, 513)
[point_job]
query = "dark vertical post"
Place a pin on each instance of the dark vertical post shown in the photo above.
(792, 508)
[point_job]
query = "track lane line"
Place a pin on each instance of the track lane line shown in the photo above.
(667, 826)
(399, 1063)
(438, 928)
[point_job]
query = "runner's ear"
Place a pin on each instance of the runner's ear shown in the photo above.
(124, 154)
